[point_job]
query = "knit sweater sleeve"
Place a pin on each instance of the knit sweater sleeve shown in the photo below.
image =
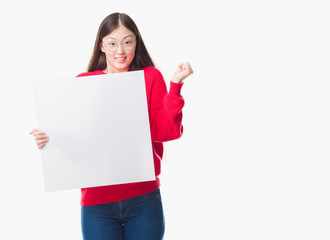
(165, 109)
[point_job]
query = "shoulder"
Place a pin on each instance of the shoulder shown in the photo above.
(154, 81)
(86, 74)
(152, 73)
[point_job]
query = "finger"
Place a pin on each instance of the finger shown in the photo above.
(34, 130)
(183, 67)
(39, 134)
(42, 141)
(189, 68)
(41, 145)
(180, 67)
(41, 137)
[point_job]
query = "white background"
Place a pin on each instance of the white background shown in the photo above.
(254, 159)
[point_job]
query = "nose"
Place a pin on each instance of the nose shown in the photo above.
(120, 48)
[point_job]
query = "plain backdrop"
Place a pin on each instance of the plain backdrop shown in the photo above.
(253, 162)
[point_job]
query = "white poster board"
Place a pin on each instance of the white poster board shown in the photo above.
(98, 128)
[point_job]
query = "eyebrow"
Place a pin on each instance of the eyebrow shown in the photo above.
(130, 35)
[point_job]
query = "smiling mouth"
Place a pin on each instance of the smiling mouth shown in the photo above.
(121, 59)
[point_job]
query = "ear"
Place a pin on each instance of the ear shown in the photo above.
(102, 47)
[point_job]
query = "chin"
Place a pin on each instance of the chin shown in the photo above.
(122, 69)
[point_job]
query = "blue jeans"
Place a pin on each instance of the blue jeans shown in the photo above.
(138, 218)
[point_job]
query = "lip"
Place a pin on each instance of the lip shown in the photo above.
(121, 59)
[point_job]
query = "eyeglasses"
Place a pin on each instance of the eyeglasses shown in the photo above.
(112, 46)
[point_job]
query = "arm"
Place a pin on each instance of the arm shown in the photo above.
(166, 108)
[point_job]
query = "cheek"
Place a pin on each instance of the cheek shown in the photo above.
(109, 55)
(131, 55)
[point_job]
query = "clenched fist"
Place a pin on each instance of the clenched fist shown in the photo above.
(183, 71)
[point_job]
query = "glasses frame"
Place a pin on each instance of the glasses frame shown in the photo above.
(121, 45)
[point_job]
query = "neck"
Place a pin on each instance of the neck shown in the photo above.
(110, 70)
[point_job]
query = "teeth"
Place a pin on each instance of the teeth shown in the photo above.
(120, 58)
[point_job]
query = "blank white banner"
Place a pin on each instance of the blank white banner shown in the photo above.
(98, 128)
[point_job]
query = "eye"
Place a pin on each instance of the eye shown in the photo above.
(127, 43)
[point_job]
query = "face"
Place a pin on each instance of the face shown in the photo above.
(119, 48)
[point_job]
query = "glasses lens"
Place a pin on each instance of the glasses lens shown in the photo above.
(111, 46)
(127, 45)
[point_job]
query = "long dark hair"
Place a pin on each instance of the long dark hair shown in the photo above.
(141, 59)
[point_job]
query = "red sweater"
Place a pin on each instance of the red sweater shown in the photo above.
(165, 118)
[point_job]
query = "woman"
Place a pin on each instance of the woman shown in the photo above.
(134, 210)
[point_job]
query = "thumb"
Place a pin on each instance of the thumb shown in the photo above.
(34, 130)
